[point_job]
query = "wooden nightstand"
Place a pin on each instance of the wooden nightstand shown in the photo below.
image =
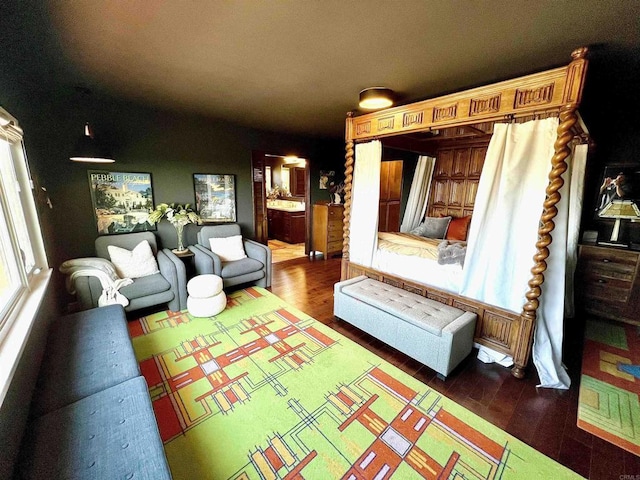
(607, 283)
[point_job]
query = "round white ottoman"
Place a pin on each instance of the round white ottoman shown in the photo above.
(206, 297)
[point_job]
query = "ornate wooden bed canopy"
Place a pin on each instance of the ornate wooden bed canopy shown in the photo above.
(553, 92)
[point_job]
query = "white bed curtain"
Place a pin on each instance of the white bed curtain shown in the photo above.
(577, 169)
(419, 193)
(365, 195)
(503, 233)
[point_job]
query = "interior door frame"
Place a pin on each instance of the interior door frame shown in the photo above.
(260, 218)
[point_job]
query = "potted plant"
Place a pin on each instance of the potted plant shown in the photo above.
(179, 216)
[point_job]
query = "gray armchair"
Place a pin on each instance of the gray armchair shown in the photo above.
(256, 268)
(168, 287)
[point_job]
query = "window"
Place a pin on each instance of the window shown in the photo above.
(22, 253)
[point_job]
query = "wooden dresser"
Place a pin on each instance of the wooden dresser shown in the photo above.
(607, 283)
(327, 228)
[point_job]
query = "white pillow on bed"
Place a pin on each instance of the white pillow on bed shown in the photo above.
(432, 227)
(228, 248)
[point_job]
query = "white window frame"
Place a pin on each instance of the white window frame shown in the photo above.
(20, 313)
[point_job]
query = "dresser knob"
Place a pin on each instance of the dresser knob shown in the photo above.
(606, 260)
(602, 281)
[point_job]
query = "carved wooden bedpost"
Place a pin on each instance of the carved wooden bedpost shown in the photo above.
(562, 148)
(348, 182)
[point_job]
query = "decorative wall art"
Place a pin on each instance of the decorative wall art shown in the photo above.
(326, 179)
(121, 201)
(215, 197)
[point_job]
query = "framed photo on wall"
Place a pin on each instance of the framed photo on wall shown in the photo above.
(215, 197)
(121, 201)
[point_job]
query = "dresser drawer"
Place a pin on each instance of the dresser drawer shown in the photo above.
(607, 291)
(607, 284)
(334, 235)
(335, 246)
(609, 262)
(335, 212)
(610, 309)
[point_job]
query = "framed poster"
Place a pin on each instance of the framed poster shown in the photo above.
(121, 201)
(215, 197)
(326, 179)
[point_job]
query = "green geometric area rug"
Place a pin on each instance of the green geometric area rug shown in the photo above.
(263, 391)
(608, 405)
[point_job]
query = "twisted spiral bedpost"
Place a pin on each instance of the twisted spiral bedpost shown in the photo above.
(568, 119)
(347, 206)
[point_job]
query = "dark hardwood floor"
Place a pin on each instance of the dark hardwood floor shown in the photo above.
(542, 418)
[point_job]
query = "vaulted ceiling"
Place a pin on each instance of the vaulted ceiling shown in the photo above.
(297, 66)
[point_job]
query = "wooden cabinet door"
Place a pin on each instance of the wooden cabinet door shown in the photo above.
(391, 180)
(390, 196)
(298, 183)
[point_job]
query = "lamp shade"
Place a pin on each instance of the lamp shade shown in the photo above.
(375, 98)
(88, 150)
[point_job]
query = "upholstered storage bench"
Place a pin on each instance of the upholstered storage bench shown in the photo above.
(438, 335)
(91, 414)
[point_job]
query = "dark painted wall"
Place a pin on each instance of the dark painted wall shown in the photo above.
(169, 145)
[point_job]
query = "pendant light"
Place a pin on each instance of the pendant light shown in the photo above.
(88, 150)
(375, 98)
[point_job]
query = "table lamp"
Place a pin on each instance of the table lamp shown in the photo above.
(619, 209)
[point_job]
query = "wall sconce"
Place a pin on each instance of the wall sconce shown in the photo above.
(88, 150)
(375, 98)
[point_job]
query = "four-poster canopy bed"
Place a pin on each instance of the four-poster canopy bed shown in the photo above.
(555, 93)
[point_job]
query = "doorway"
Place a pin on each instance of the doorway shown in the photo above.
(281, 200)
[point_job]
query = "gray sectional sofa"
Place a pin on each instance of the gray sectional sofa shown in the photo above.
(91, 416)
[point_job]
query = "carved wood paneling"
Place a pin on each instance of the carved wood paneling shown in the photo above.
(444, 165)
(411, 119)
(544, 91)
(461, 162)
(439, 192)
(447, 112)
(479, 106)
(455, 181)
(471, 189)
(385, 123)
(476, 162)
(457, 192)
(533, 96)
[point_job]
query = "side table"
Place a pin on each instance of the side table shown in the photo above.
(187, 259)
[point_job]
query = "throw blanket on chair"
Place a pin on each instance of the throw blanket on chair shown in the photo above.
(104, 271)
(451, 252)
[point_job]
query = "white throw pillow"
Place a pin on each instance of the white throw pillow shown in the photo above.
(135, 263)
(228, 248)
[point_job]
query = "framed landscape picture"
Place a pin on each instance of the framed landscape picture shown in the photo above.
(215, 197)
(121, 201)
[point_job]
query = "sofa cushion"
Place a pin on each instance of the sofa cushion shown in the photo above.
(86, 352)
(110, 434)
(228, 248)
(135, 263)
(241, 267)
(422, 312)
(144, 286)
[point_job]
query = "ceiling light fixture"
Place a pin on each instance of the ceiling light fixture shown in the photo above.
(88, 150)
(375, 98)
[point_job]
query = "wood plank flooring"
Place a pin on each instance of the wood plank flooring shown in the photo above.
(542, 418)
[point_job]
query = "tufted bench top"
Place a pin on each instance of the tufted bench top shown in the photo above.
(422, 312)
